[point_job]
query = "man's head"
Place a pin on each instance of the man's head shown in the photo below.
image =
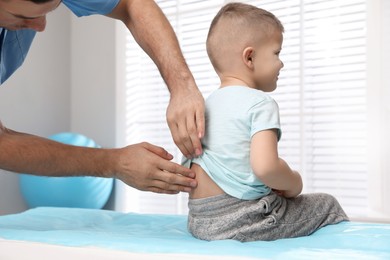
(25, 14)
(235, 27)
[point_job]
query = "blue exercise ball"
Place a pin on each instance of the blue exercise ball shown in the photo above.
(74, 192)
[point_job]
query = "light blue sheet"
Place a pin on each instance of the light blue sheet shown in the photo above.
(168, 234)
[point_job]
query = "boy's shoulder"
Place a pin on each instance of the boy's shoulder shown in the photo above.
(241, 93)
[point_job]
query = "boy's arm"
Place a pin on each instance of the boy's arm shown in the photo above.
(269, 168)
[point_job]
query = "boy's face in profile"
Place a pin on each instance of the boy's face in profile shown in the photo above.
(266, 62)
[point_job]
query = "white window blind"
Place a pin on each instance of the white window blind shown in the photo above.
(321, 94)
(322, 98)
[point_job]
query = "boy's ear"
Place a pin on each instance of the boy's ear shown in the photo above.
(247, 57)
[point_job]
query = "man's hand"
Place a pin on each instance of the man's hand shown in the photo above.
(185, 117)
(148, 167)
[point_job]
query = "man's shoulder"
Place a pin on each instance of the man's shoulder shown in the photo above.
(90, 7)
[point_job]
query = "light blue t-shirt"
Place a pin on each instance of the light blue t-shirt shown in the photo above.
(233, 115)
(14, 45)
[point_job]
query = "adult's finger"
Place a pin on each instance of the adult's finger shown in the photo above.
(185, 140)
(169, 188)
(158, 151)
(174, 169)
(192, 130)
(180, 139)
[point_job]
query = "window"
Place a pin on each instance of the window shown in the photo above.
(322, 93)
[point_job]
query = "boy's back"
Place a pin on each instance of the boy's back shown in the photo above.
(233, 115)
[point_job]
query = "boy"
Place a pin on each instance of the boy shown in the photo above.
(245, 191)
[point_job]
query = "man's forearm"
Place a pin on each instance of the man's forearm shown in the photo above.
(31, 154)
(155, 35)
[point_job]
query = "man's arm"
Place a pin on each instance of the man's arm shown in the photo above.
(142, 166)
(269, 168)
(152, 31)
(25, 153)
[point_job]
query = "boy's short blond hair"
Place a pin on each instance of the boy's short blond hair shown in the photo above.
(236, 26)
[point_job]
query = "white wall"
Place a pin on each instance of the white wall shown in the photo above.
(93, 78)
(378, 96)
(66, 84)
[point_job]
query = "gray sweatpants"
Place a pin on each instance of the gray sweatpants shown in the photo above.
(269, 218)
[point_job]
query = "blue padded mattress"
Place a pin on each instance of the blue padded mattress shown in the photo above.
(162, 234)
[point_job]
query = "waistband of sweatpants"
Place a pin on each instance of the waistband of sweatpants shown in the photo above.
(216, 205)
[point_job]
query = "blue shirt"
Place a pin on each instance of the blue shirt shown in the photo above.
(233, 115)
(14, 45)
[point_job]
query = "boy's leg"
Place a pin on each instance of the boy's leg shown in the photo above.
(272, 217)
(300, 216)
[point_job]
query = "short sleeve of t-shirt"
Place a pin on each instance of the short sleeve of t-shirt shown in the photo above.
(264, 116)
(89, 7)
